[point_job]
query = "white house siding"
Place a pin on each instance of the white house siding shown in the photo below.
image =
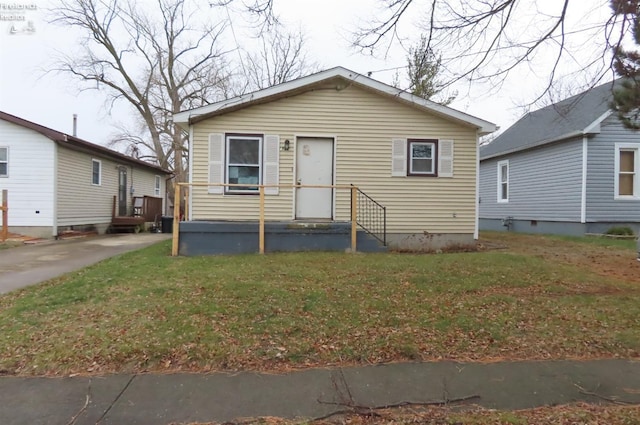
(31, 180)
(364, 124)
(80, 203)
(535, 192)
(601, 205)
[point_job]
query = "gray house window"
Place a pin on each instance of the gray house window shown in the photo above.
(4, 162)
(626, 169)
(96, 172)
(503, 181)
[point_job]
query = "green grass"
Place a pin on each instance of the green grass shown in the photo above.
(148, 311)
(9, 244)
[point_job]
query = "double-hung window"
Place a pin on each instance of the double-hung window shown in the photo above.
(156, 189)
(503, 181)
(4, 162)
(422, 157)
(96, 172)
(243, 162)
(626, 169)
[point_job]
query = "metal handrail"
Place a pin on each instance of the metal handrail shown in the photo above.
(371, 216)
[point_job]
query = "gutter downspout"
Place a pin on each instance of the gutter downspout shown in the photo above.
(477, 223)
(190, 206)
(583, 202)
(54, 228)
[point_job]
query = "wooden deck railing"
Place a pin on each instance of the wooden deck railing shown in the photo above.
(178, 197)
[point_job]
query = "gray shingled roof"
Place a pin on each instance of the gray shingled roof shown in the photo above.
(568, 118)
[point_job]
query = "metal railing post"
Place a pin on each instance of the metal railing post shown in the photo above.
(354, 217)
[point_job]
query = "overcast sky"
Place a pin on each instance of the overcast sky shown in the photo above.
(26, 90)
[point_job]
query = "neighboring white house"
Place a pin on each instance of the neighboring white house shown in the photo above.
(413, 156)
(59, 182)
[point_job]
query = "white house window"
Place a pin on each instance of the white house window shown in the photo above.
(243, 162)
(4, 162)
(422, 157)
(503, 181)
(96, 172)
(156, 189)
(626, 182)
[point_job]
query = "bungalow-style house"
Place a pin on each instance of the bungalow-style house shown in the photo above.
(569, 168)
(58, 182)
(415, 158)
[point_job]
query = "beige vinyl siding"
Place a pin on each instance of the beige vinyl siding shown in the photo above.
(80, 202)
(363, 124)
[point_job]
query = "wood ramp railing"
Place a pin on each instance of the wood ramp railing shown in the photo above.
(261, 188)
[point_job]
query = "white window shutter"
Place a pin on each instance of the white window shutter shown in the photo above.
(399, 158)
(445, 158)
(270, 166)
(216, 162)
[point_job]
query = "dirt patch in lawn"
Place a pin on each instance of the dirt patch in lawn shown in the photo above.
(608, 261)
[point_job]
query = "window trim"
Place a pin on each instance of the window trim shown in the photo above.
(501, 164)
(5, 162)
(636, 178)
(434, 159)
(157, 185)
(99, 162)
(227, 137)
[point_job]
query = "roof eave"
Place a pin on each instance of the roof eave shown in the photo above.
(592, 128)
(65, 139)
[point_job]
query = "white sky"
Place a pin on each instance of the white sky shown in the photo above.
(52, 99)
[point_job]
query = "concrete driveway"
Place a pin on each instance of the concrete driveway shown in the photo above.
(32, 264)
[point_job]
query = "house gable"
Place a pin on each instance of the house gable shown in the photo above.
(576, 116)
(30, 178)
(333, 79)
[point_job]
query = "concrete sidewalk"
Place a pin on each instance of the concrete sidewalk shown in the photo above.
(182, 398)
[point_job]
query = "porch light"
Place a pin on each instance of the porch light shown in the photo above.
(287, 145)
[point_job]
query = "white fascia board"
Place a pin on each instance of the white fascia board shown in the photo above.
(594, 127)
(484, 127)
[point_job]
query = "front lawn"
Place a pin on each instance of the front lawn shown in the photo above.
(146, 311)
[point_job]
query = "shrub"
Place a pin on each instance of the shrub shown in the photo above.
(620, 231)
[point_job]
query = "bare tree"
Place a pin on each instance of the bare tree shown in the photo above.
(485, 40)
(158, 60)
(280, 58)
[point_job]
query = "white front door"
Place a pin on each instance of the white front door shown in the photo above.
(314, 166)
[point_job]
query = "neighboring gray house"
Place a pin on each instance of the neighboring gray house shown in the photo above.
(58, 182)
(569, 168)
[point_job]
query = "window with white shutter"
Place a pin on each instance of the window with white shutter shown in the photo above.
(399, 158)
(422, 158)
(216, 162)
(445, 158)
(271, 167)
